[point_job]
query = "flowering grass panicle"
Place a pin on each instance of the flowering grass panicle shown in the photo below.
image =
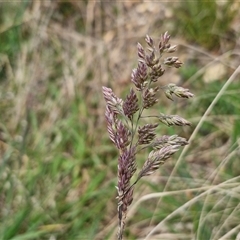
(124, 117)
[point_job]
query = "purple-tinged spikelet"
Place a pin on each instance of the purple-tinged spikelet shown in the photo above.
(123, 120)
(130, 105)
(146, 133)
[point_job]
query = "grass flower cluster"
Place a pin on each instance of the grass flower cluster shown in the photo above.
(131, 135)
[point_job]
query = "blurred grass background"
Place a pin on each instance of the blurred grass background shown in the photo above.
(58, 169)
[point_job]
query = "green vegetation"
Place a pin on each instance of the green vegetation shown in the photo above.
(205, 22)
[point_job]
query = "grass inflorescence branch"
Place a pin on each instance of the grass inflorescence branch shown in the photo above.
(123, 119)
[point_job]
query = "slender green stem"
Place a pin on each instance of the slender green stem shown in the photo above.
(153, 116)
